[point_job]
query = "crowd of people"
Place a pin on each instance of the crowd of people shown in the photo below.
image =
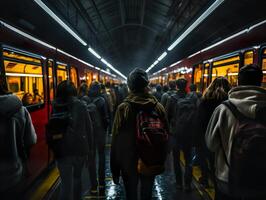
(226, 126)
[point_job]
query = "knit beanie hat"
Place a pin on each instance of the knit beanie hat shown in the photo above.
(137, 80)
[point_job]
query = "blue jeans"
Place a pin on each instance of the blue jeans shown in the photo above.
(70, 169)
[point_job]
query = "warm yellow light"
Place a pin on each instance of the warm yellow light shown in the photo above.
(24, 75)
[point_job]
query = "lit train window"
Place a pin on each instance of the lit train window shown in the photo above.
(95, 77)
(12, 55)
(88, 78)
(264, 72)
(248, 57)
(51, 80)
(206, 75)
(61, 72)
(227, 68)
(26, 81)
(198, 76)
(74, 76)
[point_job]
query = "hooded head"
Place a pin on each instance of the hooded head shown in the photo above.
(172, 85)
(250, 75)
(95, 89)
(138, 80)
(65, 91)
(181, 84)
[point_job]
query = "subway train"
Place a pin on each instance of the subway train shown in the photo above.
(32, 70)
(223, 58)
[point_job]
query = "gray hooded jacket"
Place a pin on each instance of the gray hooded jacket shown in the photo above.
(251, 102)
(14, 120)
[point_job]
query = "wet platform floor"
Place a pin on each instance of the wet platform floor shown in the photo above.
(164, 187)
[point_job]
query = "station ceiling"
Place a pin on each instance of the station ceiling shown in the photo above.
(132, 33)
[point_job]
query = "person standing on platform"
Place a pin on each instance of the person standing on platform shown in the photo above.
(69, 135)
(214, 95)
(236, 134)
(130, 156)
(171, 91)
(17, 136)
(158, 93)
(99, 139)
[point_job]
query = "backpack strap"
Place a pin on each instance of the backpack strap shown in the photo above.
(238, 115)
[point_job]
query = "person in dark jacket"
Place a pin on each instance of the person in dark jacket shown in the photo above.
(74, 150)
(124, 157)
(171, 91)
(17, 136)
(214, 95)
(158, 94)
(99, 139)
(183, 137)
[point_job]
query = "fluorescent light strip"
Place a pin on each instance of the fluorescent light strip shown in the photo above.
(27, 35)
(114, 69)
(94, 53)
(215, 5)
(172, 65)
(24, 75)
(58, 20)
(162, 56)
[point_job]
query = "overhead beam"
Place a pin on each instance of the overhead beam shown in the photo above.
(142, 11)
(122, 11)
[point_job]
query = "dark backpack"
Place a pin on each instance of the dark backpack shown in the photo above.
(56, 129)
(184, 110)
(247, 168)
(11, 155)
(151, 140)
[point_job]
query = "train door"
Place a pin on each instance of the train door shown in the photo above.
(24, 74)
(263, 66)
(205, 76)
(227, 67)
(74, 76)
(197, 76)
(61, 72)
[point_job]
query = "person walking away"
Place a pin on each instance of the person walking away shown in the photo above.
(158, 93)
(132, 155)
(236, 133)
(99, 139)
(214, 95)
(69, 135)
(170, 92)
(180, 111)
(17, 136)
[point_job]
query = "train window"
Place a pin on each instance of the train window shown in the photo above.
(88, 78)
(205, 75)
(264, 72)
(198, 76)
(51, 80)
(248, 57)
(61, 72)
(95, 77)
(12, 55)
(74, 76)
(26, 81)
(228, 68)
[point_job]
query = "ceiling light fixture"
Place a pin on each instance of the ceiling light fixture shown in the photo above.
(58, 20)
(94, 53)
(114, 69)
(215, 5)
(162, 56)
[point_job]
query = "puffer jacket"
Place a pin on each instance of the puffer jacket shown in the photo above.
(123, 150)
(11, 162)
(251, 102)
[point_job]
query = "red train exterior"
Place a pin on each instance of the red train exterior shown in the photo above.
(227, 57)
(48, 61)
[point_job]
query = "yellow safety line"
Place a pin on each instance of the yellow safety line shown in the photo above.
(46, 185)
(197, 174)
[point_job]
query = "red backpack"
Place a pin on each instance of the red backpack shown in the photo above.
(247, 167)
(151, 140)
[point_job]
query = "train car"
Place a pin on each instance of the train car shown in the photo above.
(223, 58)
(32, 70)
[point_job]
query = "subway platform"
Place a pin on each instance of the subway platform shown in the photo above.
(164, 188)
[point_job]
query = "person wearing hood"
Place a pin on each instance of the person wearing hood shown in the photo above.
(249, 100)
(16, 138)
(171, 91)
(124, 156)
(99, 139)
